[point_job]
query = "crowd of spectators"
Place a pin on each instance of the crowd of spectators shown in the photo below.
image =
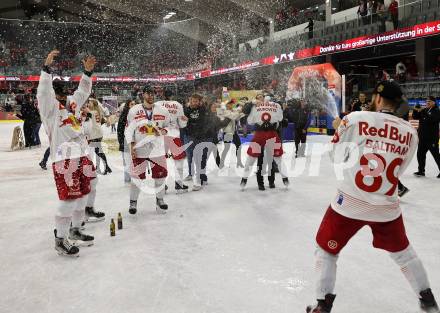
(292, 16)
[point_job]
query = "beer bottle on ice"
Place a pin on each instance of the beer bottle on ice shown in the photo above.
(119, 220)
(112, 228)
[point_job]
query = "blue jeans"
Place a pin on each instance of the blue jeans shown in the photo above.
(36, 134)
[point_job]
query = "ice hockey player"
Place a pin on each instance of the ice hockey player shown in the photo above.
(147, 125)
(173, 143)
(89, 124)
(72, 168)
(266, 115)
(381, 146)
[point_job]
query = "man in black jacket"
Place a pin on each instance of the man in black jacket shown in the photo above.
(298, 114)
(429, 119)
(196, 131)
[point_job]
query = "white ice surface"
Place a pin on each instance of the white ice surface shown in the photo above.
(218, 250)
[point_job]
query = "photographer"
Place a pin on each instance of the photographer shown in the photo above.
(429, 119)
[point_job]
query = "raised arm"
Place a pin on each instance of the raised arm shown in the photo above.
(84, 90)
(45, 93)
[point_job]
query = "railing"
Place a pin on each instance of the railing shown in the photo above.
(412, 13)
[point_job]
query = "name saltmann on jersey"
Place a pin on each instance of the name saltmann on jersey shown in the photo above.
(376, 149)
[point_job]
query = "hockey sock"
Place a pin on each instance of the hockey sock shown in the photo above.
(134, 192)
(224, 153)
(281, 166)
(326, 273)
(79, 211)
(250, 161)
(63, 217)
(412, 268)
(92, 195)
(179, 171)
(159, 185)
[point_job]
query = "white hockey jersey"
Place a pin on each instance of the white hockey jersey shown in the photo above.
(175, 109)
(373, 150)
(142, 128)
(266, 111)
(66, 136)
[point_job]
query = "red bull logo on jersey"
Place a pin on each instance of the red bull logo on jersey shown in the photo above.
(388, 132)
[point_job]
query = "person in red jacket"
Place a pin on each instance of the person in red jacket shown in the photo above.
(394, 12)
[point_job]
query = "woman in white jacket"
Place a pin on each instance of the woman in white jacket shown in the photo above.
(95, 136)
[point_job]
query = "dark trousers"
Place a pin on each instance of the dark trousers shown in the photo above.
(423, 149)
(46, 156)
(260, 166)
(300, 141)
(28, 131)
(36, 134)
(395, 19)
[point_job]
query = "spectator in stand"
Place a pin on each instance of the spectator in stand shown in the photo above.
(358, 103)
(310, 27)
(363, 12)
(400, 72)
(381, 15)
(429, 119)
(384, 75)
(393, 9)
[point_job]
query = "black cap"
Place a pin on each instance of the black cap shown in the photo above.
(148, 89)
(389, 90)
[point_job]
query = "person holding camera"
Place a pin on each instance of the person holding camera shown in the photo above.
(429, 119)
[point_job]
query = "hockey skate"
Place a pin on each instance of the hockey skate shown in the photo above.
(64, 247)
(403, 191)
(180, 187)
(80, 239)
(243, 184)
(323, 306)
(133, 207)
(43, 165)
(427, 302)
(93, 216)
(286, 182)
(161, 206)
(271, 185)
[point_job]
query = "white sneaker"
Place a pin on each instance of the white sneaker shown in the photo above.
(197, 187)
(188, 178)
